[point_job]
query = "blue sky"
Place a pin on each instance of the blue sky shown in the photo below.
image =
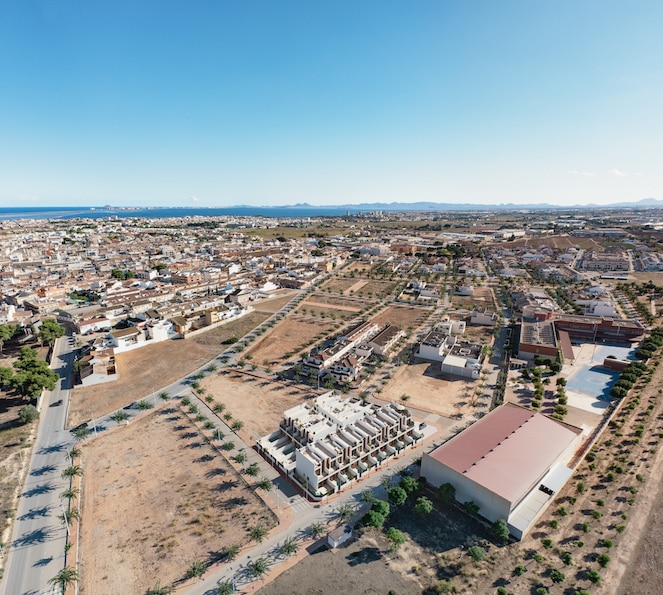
(248, 102)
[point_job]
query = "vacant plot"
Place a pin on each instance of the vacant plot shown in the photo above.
(140, 372)
(377, 289)
(274, 303)
(237, 328)
(560, 242)
(430, 391)
(164, 499)
(482, 298)
(338, 285)
(336, 301)
(287, 336)
(151, 368)
(402, 316)
(258, 402)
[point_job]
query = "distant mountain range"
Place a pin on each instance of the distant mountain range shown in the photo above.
(645, 203)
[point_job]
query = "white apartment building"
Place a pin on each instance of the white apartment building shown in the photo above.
(329, 442)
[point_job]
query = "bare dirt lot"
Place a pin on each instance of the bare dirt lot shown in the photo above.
(273, 304)
(402, 316)
(164, 499)
(258, 402)
(561, 242)
(151, 368)
(376, 289)
(429, 390)
(292, 332)
(482, 298)
(338, 285)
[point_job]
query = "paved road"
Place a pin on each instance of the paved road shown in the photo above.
(36, 552)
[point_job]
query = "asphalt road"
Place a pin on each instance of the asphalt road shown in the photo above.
(36, 552)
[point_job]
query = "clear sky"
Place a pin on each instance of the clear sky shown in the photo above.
(221, 102)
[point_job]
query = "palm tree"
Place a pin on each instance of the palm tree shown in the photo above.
(72, 471)
(82, 433)
(231, 551)
(63, 579)
(265, 484)
(224, 588)
(73, 453)
(218, 407)
(70, 515)
(240, 458)
(317, 529)
(119, 416)
(259, 567)
(289, 546)
(257, 533)
(164, 396)
(237, 425)
(159, 590)
(70, 493)
(196, 569)
(345, 512)
(218, 434)
(252, 470)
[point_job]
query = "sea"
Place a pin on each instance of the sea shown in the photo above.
(8, 213)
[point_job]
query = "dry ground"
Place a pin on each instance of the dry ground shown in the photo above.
(402, 316)
(338, 285)
(257, 401)
(291, 333)
(273, 304)
(429, 391)
(376, 289)
(163, 499)
(482, 298)
(654, 277)
(561, 242)
(151, 368)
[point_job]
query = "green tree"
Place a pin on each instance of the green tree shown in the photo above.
(423, 505)
(500, 529)
(373, 519)
(397, 496)
(477, 553)
(27, 414)
(397, 537)
(557, 576)
(7, 331)
(409, 484)
(32, 374)
(50, 331)
(447, 493)
(64, 579)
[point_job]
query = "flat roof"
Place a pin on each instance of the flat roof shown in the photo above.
(508, 450)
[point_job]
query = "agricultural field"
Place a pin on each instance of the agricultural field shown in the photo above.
(164, 499)
(292, 333)
(254, 398)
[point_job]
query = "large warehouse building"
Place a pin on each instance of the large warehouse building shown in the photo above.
(510, 463)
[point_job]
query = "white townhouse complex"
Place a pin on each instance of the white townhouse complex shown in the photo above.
(329, 442)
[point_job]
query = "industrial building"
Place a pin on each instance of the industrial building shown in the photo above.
(510, 463)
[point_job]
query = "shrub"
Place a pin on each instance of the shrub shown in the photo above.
(593, 576)
(603, 560)
(607, 543)
(27, 414)
(477, 553)
(519, 570)
(547, 543)
(557, 576)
